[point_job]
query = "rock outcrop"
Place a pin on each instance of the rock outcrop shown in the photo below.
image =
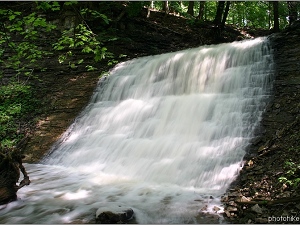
(258, 195)
(114, 214)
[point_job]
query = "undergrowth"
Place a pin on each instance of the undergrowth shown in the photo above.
(16, 104)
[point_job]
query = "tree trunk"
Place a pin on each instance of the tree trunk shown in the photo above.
(151, 5)
(166, 6)
(293, 11)
(201, 10)
(220, 9)
(191, 8)
(149, 8)
(269, 15)
(225, 15)
(276, 16)
(10, 167)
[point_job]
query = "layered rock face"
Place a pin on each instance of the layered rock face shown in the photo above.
(258, 195)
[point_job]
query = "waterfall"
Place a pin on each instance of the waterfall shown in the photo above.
(161, 134)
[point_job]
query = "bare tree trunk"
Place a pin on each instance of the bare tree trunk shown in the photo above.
(201, 10)
(276, 16)
(149, 9)
(166, 6)
(225, 15)
(151, 4)
(191, 8)
(269, 14)
(220, 9)
(293, 11)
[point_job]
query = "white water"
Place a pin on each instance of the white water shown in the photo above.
(161, 134)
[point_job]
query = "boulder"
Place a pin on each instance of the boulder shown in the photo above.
(112, 214)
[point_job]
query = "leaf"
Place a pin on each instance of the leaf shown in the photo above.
(30, 20)
(11, 17)
(105, 19)
(87, 49)
(282, 179)
(55, 6)
(71, 3)
(59, 47)
(40, 22)
(90, 68)
(79, 43)
(113, 39)
(296, 182)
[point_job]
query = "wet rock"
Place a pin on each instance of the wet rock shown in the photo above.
(232, 209)
(297, 206)
(232, 203)
(257, 209)
(207, 218)
(229, 214)
(248, 218)
(224, 198)
(244, 199)
(216, 208)
(204, 208)
(114, 214)
(262, 148)
(234, 194)
(261, 220)
(250, 163)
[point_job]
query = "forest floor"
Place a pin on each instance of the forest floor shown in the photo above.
(65, 91)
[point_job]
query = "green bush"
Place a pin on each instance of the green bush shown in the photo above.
(292, 175)
(16, 102)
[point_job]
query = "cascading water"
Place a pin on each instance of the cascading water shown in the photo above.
(161, 134)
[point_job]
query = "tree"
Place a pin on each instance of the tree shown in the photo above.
(225, 15)
(165, 6)
(201, 10)
(293, 11)
(191, 8)
(276, 16)
(219, 13)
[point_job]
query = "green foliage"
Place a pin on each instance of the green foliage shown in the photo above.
(20, 54)
(179, 7)
(93, 14)
(47, 5)
(292, 175)
(283, 12)
(18, 36)
(255, 14)
(16, 101)
(71, 3)
(134, 8)
(81, 38)
(90, 68)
